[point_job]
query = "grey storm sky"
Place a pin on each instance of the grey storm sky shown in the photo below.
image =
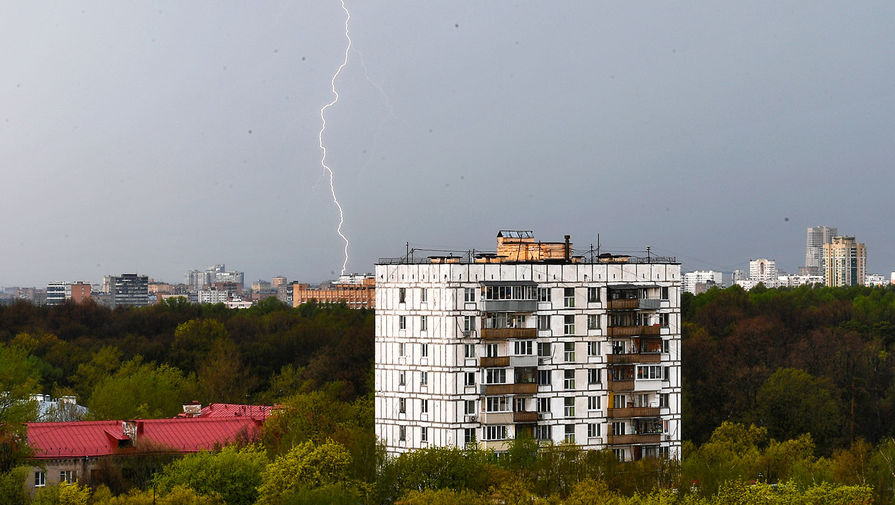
(157, 137)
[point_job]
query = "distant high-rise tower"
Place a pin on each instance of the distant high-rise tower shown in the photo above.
(814, 252)
(845, 262)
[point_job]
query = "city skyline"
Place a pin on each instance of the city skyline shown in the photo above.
(155, 138)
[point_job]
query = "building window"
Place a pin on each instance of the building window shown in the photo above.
(40, 479)
(618, 402)
(649, 372)
(570, 434)
(663, 320)
(423, 323)
(663, 400)
(665, 346)
(402, 322)
(523, 347)
(490, 350)
(469, 378)
(543, 322)
(568, 324)
(424, 295)
(543, 405)
(402, 298)
(545, 350)
(469, 350)
(568, 299)
(468, 323)
(424, 435)
(497, 404)
(568, 407)
(67, 476)
(424, 378)
(664, 293)
(402, 378)
(402, 351)
(593, 430)
(543, 432)
(593, 403)
(593, 348)
(663, 452)
(543, 294)
(495, 432)
(593, 376)
(509, 293)
(593, 322)
(469, 436)
(402, 433)
(593, 295)
(543, 377)
(495, 376)
(569, 379)
(424, 350)
(619, 454)
(569, 351)
(469, 407)
(469, 294)
(402, 406)
(668, 373)
(618, 428)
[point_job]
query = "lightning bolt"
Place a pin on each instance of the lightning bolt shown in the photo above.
(335, 99)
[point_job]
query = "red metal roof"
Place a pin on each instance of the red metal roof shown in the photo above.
(231, 410)
(101, 438)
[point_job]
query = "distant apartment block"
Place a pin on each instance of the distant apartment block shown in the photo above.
(763, 270)
(818, 236)
(59, 292)
(845, 262)
(129, 290)
(875, 280)
(356, 291)
(532, 340)
(700, 281)
(201, 279)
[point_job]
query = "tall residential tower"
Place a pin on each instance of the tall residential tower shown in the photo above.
(480, 349)
(814, 249)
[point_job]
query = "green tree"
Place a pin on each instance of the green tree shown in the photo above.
(306, 465)
(19, 377)
(193, 340)
(233, 473)
(12, 489)
(223, 377)
(792, 402)
(141, 390)
(63, 493)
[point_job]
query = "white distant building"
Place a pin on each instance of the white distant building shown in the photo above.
(814, 249)
(763, 270)
(707, 278)
(530, 340)
(201, 279)
(794, 281)
(869, 280)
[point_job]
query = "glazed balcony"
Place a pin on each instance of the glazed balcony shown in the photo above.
(633, 331)
(650, 438)
(617, 359)
(509, 389)
(498, 361)
(507, 333)
(629, 412)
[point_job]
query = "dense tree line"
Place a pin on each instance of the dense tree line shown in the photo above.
(787, 399)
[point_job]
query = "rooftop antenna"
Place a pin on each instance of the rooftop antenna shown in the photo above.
(648, 255)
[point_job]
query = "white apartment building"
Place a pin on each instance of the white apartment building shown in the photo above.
(531, 340)
(705, 277)
(763, 270)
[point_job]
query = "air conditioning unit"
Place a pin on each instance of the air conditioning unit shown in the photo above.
(466, 333)
(470, 418)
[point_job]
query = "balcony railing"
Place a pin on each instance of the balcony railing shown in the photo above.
(505, 333)
(496, 361)
(651, 438)
(631, 331)
(629, 412)
(525, 417)
(510, 389)
(634, 358)
(621, 385)
(623, 304)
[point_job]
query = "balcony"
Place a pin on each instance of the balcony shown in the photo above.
(616, 359)
(651, 438)
(509, 389)
(505, 333)
(623, 304)
(497, 418)
(633, 331)
(525, 417)
(485, 362)
(621, 386)
(510, 305)
(629, 412)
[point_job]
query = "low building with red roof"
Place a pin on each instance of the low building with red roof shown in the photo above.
(70, 451)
